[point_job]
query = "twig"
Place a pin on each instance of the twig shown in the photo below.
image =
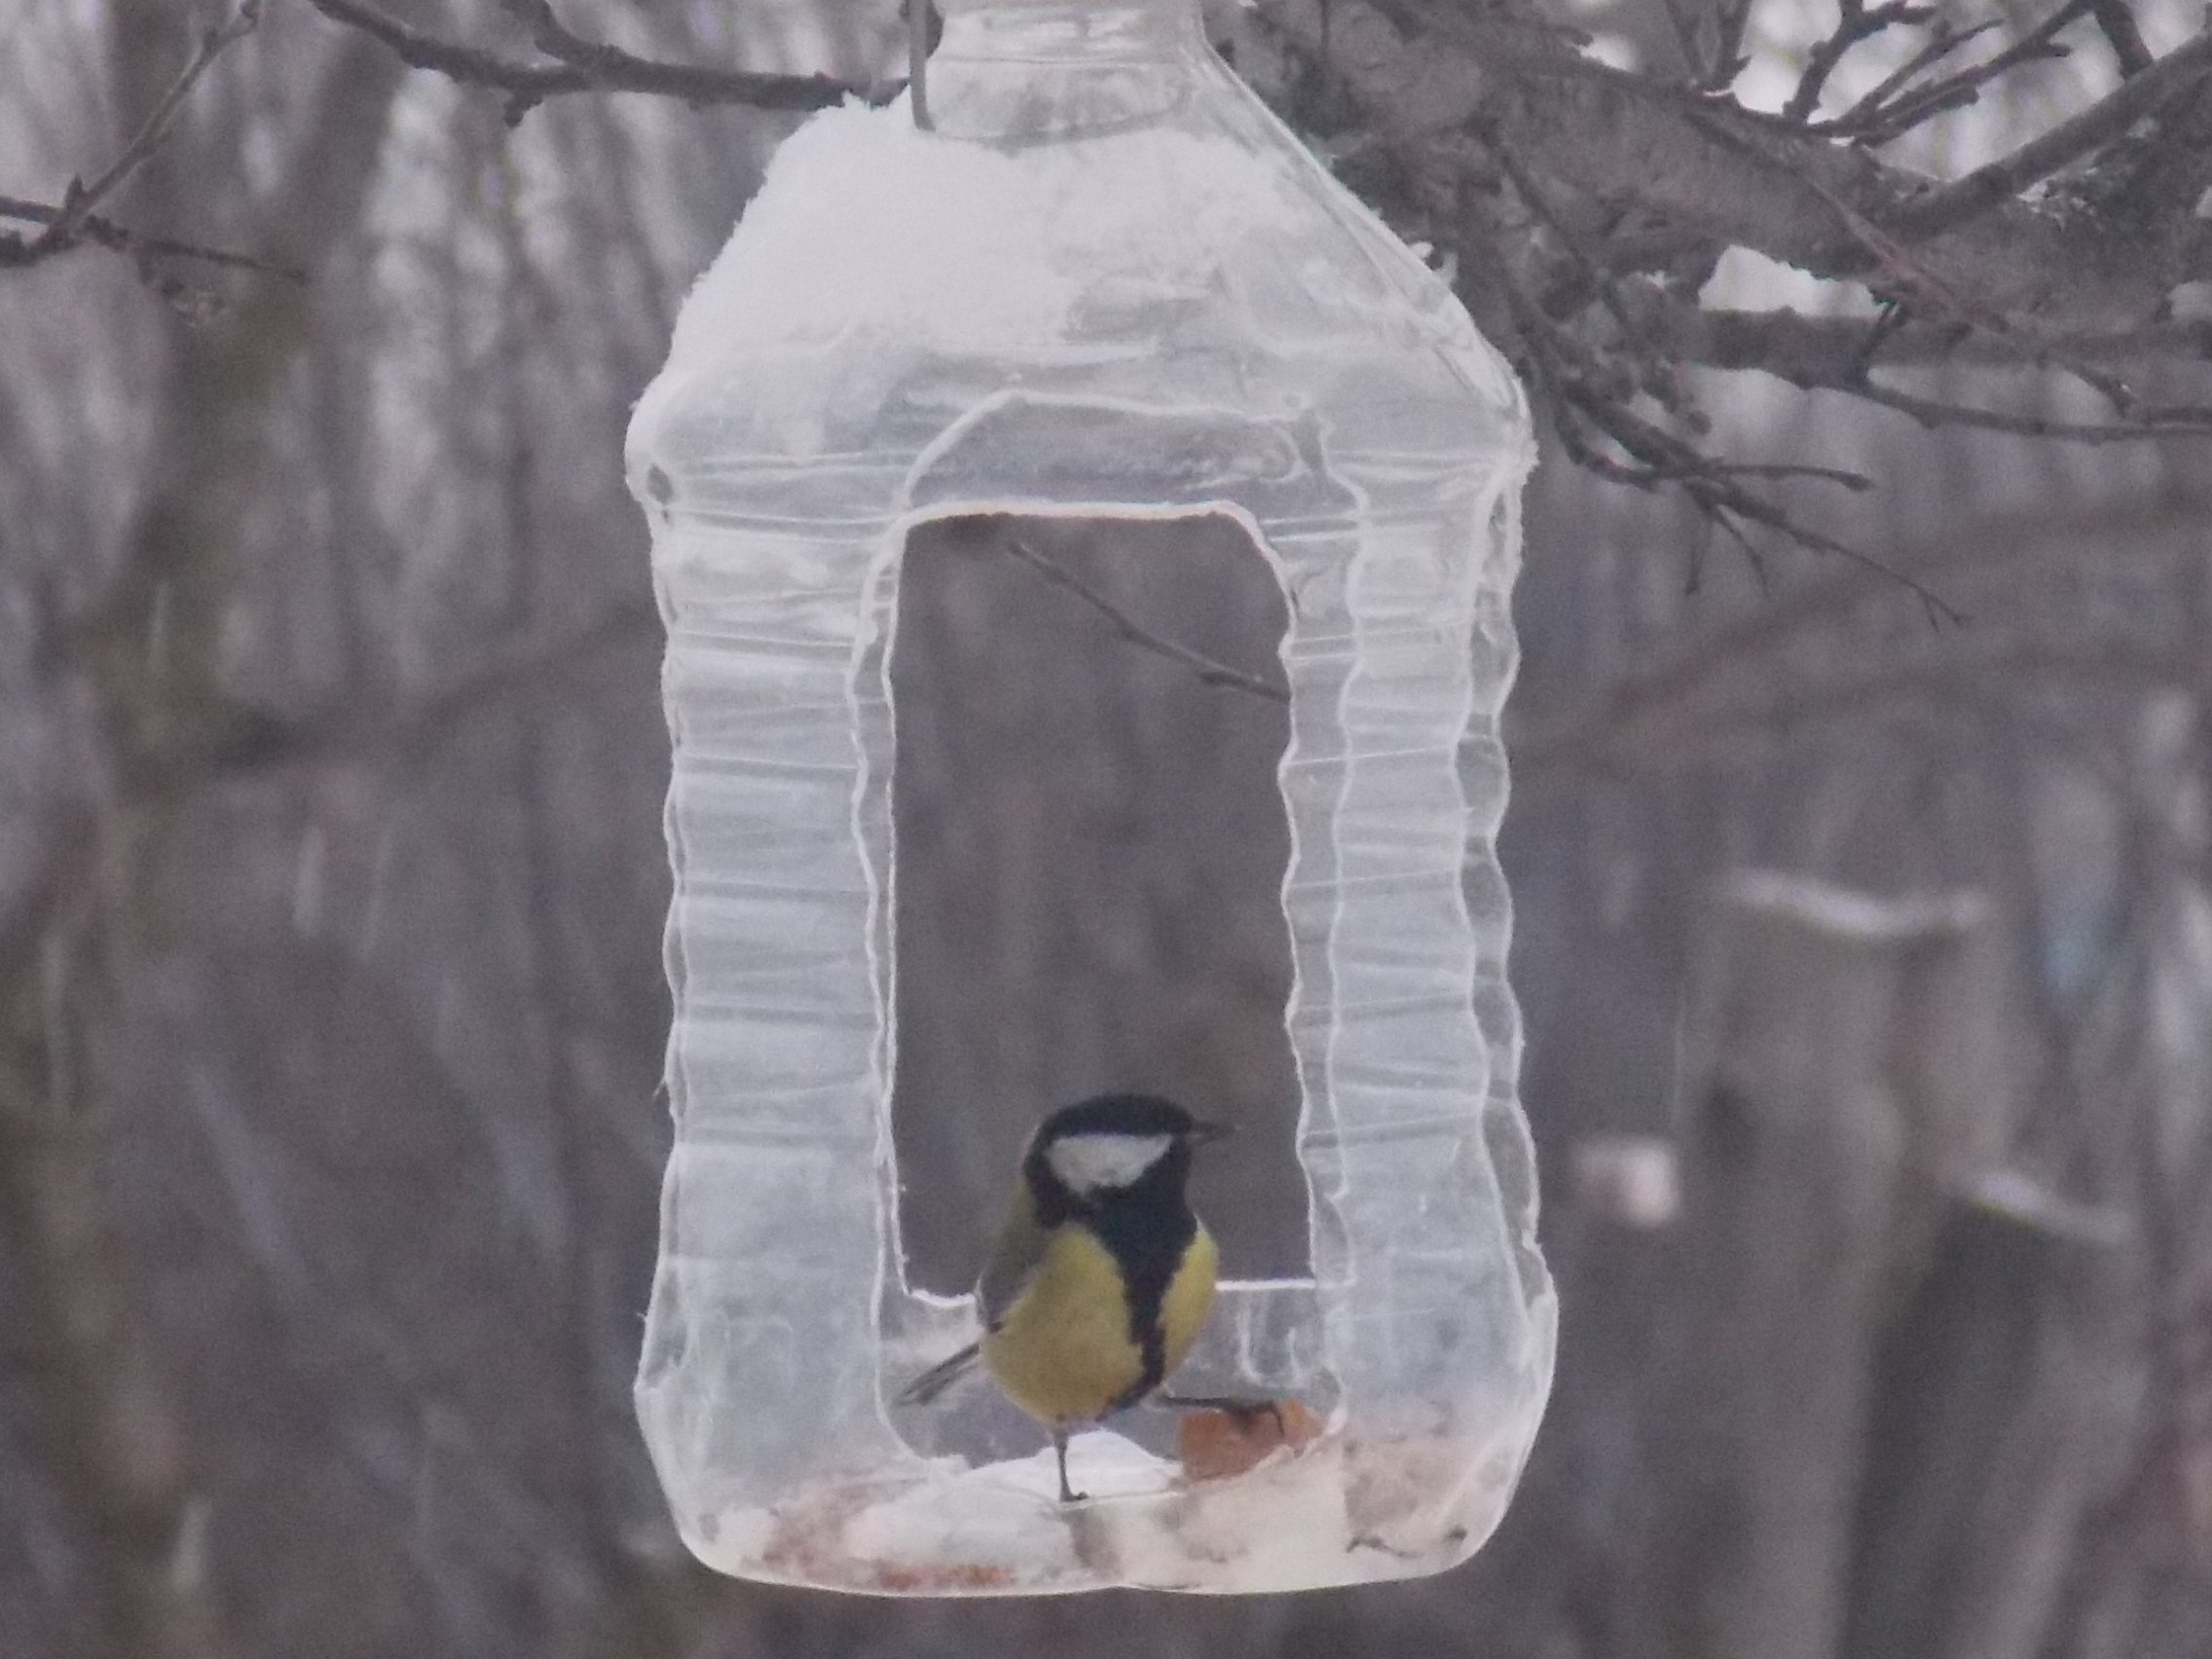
(1872, 122)
(1943, 43)
(1933, 412)
(1686, 40)
(582, 66)
(1838, 354)
(1684, 681)
(1708, 484)
(1833, 349)
(1940, 612)
(1601, 281)
(1728, 55)
(1854, 24)
(2115, 21)
(2135, 98)
(107, 234)
(1660, 459)
(1714, 73)
(1208, 671)
(79, 198)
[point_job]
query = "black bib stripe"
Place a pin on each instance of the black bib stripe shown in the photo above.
(1149, 1241)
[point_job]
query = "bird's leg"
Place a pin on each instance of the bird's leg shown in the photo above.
(1068, 1494)
(1242, 1407)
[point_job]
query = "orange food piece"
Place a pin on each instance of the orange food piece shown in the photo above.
(1214, 1445)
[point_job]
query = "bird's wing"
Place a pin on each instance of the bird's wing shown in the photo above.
(1014, 1263)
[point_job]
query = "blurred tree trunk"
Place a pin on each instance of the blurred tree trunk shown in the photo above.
(150, 654)
(1889, 1354)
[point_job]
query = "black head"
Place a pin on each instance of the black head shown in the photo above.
(1111, 1149)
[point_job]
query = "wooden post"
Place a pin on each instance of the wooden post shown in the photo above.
(1879, 1371)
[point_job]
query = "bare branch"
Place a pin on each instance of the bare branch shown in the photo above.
(1628, 141)
(1684, 23)
(1208, 671)
(1856, 25)
(1710, 40)
(1831, 350)
(1878, 117)
(1940, 45)
(1724, 682)
(107, 234)
(1838, 355)
(2116, 19)
(1658, 459)
(80, 199)
(1630, 188)
(71, 223)
(581, 65)
(1935, 411)
(2180, 72)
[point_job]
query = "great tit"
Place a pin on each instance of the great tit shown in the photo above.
(1102, 1276)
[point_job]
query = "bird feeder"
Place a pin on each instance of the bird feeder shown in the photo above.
(1104, 283)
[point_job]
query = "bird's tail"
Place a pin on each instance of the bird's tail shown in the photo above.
(940, 1377)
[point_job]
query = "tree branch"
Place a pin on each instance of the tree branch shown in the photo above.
(2179, 72)
(106, 233)
(80, 199)
(1940, 45)
(582, 66)
(1879, 117)
(1208, 671)
(1711, 170)
(1788, 342)
(1630, 187)
(74, 222)
(1856, 25)
(2115, 21)
(1735, 679)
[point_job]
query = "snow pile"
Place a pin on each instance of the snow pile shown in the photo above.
(969, 246)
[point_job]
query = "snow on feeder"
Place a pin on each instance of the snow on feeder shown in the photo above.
(1106, 285)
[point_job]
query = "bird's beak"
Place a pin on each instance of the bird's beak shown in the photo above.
(1204, 1130)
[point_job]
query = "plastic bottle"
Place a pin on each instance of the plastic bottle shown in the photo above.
(1108, 282)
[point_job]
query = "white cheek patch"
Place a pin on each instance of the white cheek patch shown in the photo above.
(1090, 1164)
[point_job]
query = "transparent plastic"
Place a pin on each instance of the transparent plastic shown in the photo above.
(1109, 282)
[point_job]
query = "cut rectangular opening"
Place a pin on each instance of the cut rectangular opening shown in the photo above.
(1090, 849)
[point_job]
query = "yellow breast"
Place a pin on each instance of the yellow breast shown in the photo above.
(1190, 1298)
(1064, 1352)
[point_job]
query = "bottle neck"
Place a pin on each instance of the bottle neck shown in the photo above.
(1097, 29)
(1031, 71)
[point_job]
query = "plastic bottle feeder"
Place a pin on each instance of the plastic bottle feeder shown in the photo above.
(1107, 285)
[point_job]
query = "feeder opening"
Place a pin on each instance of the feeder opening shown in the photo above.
(1089, 848)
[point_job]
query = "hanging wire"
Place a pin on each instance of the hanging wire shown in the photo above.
(917, 62)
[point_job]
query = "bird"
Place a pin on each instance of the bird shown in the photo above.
(1102, 1274)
